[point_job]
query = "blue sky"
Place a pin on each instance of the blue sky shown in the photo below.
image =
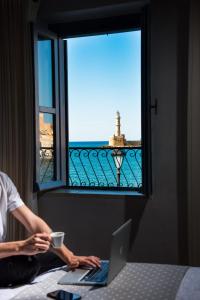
(45, 73)
(104, 76)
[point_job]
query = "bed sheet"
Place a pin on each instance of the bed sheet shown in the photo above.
(10, 293)
(190, 285)
(137, 281)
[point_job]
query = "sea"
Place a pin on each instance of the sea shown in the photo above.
(91, 164)
(88, 144)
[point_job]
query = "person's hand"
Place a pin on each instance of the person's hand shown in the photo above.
(90, 261)
(37, 243)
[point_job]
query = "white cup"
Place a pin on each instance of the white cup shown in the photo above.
(57, 239)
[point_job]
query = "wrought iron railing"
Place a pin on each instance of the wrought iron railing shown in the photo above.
(97, 167)
(46, 164)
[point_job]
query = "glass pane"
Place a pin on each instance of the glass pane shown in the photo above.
(47, 147)
(45, 73)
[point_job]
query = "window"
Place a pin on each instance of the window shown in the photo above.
(104, 104)
(67, 153)
(49, 171)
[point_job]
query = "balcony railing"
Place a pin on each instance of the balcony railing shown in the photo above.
(97, 168)
(46, 164)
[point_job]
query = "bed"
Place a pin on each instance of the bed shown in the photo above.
(137, 281)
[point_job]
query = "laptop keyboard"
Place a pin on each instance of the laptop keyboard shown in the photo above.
(98, 274)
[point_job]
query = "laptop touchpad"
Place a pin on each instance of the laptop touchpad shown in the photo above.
(73, 276)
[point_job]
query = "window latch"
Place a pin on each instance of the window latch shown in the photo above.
(154, 107)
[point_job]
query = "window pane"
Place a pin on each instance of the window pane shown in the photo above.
(45, 73)
(104, 96)
(47, 147)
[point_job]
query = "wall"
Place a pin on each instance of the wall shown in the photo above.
(158, 227)
(88, 219)
(193, 135)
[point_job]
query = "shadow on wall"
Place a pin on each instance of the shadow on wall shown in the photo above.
(89, 220)
(134, 209)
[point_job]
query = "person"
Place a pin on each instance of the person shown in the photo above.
(22, 260)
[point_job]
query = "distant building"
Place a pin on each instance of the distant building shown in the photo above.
(46, 133)
(118, 139)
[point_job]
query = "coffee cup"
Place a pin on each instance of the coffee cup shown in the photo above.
(57, 239)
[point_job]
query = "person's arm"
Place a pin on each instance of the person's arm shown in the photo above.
(37, 243)
(35, 224)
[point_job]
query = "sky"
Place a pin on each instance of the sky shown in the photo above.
(104, 76)
(45, 73)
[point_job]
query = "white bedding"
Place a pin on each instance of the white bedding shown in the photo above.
(134, 282)
(9, 293)
(190, 286)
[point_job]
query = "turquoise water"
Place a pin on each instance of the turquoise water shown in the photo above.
(88, 144)
(91, 164)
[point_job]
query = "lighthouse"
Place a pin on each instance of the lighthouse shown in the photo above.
(118, 139)
(117, 124)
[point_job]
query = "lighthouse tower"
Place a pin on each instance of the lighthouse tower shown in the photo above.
(118, 139)
(117, 124)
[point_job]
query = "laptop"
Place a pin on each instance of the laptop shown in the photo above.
(109, 269)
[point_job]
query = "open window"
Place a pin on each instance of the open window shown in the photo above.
(92, 116)
(49, 121)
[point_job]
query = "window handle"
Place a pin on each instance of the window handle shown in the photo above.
(154, 106)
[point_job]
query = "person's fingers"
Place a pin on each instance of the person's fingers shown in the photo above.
(94, 263)
(89, 262)
(43, 236)
(41, 247)
(94, 260)
(39, 240)
(39, 251)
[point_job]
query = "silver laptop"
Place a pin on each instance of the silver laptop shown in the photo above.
(109, 269)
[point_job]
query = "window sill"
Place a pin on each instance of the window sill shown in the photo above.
(42, 187)
(92, 193)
